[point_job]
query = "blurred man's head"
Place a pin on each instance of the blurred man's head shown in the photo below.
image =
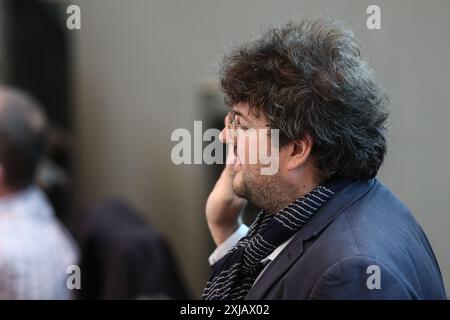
(310, 82)
(22, 139)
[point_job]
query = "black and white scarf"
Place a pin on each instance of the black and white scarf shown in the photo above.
(234, 274)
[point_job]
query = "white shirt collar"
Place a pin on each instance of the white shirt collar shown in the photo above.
(277, 251)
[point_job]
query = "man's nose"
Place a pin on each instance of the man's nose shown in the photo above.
(223, 135)
(228, 136)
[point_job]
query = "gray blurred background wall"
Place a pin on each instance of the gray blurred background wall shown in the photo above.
(2, 43)
(137, 69)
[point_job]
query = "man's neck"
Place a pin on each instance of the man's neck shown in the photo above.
(307, 184)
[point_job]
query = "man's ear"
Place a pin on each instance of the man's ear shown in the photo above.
(299, 152)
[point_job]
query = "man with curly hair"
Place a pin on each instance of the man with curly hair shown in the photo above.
(327, 229)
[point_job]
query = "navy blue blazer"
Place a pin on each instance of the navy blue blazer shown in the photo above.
(362, 244)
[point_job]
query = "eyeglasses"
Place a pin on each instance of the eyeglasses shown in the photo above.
(232, 122)
(232, 125)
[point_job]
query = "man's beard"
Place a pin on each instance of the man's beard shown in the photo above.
(268, 192)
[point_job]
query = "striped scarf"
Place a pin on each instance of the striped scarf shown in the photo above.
(234, 274)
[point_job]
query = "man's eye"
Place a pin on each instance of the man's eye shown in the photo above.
(244, 128)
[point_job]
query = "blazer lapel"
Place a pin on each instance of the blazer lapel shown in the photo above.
(294, 250)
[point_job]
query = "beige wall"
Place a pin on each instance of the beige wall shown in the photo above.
(138, 64)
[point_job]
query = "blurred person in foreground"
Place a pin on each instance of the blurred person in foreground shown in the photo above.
(35, 248)
(328, 229)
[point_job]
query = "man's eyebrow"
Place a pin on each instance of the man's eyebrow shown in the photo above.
(240, 114)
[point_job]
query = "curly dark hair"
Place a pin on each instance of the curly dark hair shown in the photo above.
(310, 79)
